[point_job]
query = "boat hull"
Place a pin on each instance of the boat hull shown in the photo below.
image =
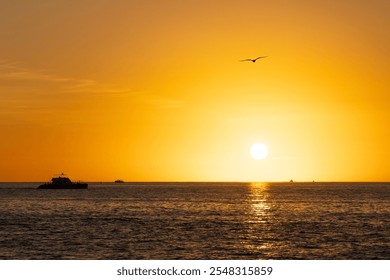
(64, 186)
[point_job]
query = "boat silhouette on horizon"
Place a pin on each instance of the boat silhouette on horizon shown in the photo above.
(62, 182)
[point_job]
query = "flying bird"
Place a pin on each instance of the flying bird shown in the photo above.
(253, 60)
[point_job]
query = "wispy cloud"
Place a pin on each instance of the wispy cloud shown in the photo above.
(163, 102)
(94, 87)
(11, 70)
(14, 71)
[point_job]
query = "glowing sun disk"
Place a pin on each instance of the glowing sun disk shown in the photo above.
(259, 151)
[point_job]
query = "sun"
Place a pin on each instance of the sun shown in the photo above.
(259, 151)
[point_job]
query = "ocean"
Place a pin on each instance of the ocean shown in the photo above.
(208, 221)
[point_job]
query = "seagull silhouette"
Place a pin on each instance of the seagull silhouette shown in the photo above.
(253, 60)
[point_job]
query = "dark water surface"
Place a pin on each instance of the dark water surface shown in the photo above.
(196, 221)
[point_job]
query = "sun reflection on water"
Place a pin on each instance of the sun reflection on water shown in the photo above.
(258, 219)
(259, 202)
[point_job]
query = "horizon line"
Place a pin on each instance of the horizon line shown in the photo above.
(214, 181)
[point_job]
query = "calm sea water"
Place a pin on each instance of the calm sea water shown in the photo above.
(196, 221)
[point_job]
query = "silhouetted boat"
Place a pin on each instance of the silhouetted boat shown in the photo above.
(119, 181)
(62, 182)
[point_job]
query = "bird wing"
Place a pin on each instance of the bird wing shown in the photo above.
(260, 57)
(246, 59)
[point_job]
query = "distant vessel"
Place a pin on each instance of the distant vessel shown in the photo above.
(119, 181)
(62, 182)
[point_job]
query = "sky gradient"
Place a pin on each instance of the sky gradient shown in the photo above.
(154, 90)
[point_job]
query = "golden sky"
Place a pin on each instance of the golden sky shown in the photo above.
(145, 90)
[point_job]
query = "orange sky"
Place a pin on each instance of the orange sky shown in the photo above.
(145, 90)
